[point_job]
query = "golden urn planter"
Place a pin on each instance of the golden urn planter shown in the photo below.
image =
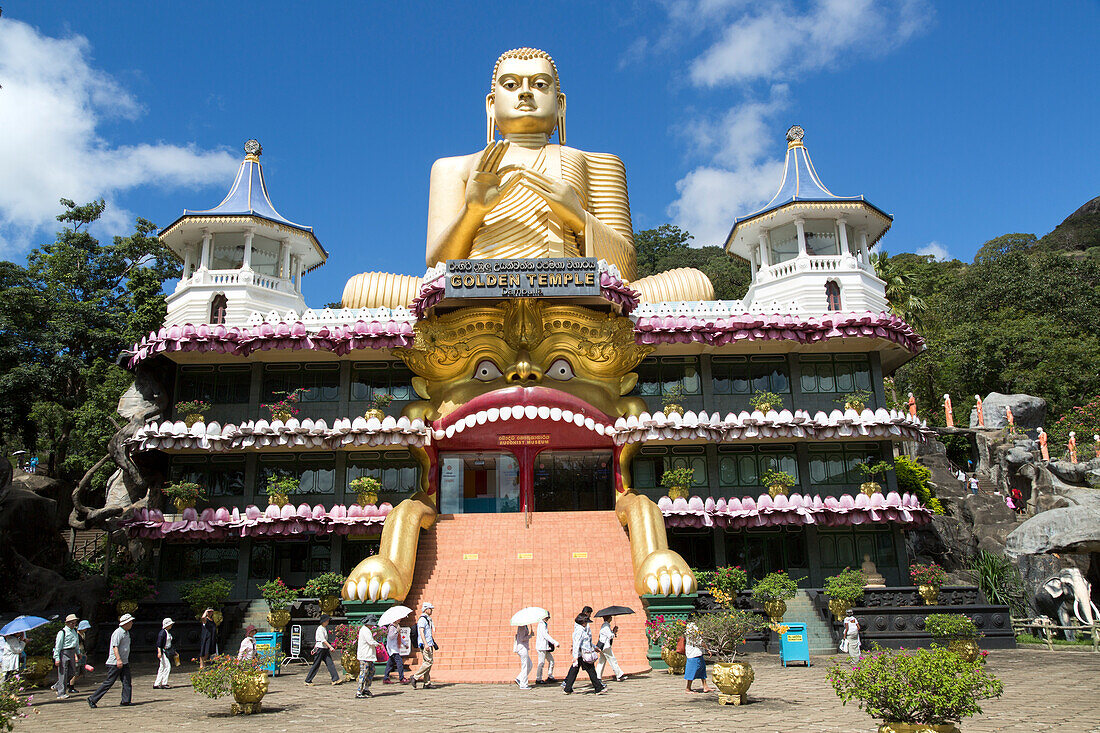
(965, 649)
(278, 619)
(674, 659)
(929, 593)
(917, 728)
(182, 504)
(674, 409)
(678, 492)
(837, 607)
(777, 490)
(279, 500)
(376, 414)
(775, 610)
(248, 690)
(329, 604)
(350, 664)
(124, 607)
(193, 418)
(733, 680)
(38, 669)
(855, 405)
(870, 487)
(367, 498)
(281, 416)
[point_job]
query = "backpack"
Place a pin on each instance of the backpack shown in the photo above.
(414, 636)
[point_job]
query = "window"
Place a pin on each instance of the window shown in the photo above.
(316, 472)
(822, 238)
(651, 464)
(846, 548)
(696, 546)
(742, 468)
(219, 304)
(745, 375)
(219, 475)
(216, 385)
(227, 251)
(370, 378)
(765, 551)
(832, 296)
(783, 242)
(295, 561)
(265, 256)
(656, 376)
(837, 464)
(396, 469)
(321, 381)
(190, 561)
(834, 373)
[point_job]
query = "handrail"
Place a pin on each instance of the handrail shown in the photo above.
(1048, 627)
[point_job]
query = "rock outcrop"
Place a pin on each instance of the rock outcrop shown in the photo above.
(1028, 411)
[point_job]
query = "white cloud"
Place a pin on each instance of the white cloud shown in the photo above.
(51, 104)
(937, 250)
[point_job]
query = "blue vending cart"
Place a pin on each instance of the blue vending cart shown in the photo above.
(270, 643)
(793, 645)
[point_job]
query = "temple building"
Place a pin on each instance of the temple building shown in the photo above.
(537, 404)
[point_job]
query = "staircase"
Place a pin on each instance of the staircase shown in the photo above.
(86, 543)
(479, 569)
(985, 483)
(818, 631)
(255, 614)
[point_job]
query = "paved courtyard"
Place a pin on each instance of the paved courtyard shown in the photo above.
(1044, 691)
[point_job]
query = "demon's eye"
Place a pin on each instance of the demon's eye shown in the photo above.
(487, 371)
(560, 369)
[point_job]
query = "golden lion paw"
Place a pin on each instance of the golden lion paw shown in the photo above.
(374, 579)
(665, 573)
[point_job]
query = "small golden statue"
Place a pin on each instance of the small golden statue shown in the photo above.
(525, 197)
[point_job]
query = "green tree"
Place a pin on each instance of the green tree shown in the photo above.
(667, 247)
(653, 245)
(900, 292)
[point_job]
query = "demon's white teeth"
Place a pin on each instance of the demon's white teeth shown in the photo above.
(482, 416)
(531, 412)
(494, 414)
(567, 416)
(543, 412)
(555, 414)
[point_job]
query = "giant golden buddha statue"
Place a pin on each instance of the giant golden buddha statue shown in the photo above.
(524, 196)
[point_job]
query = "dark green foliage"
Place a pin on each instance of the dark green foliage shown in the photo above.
(1000, 581)
(915, 479)
(667, 247)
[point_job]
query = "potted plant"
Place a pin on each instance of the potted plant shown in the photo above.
(378, 402)
(192, 411)
(326, 587)
(772, 591)
(39, 651)
(778, 482)
(666, 633)
(955, 631)
(722, 634)
(366, 489)
(246, 679)
(184, 494)
(928, 579)
(130, 588)
(279, 488)
(765, 401)
(856, 400)
(207, 593)
(284, 408)
(874, 471)
(670, 400)
(726, 583)
(345, 638)
(844, 589)
(677, 481)
(919, 691)
(279, 596)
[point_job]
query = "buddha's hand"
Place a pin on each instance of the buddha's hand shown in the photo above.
(489, 182)
(559, 196)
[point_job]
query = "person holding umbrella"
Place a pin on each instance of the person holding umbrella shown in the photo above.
(66, 649)
(545, 645)
(395, 662)
(522, 620)
(607, 638)
(11, 652)
(118, 663)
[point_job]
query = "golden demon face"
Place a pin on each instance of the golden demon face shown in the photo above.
(477, 350)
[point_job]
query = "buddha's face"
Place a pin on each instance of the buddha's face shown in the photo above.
(525, 96)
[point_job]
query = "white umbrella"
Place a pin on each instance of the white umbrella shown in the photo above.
(394, 613)
(529, 615)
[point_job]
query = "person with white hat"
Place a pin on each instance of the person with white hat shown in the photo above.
(66, 648)
(425, 641)
(165, 652)
(118, 663)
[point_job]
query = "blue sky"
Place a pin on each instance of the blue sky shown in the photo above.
(962, 122)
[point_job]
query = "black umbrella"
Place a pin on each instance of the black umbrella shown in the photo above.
(613, 611)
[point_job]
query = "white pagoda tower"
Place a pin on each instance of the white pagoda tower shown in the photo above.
(808, 249)
(240, 257)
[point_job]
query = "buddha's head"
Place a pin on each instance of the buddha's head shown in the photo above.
(525, 95)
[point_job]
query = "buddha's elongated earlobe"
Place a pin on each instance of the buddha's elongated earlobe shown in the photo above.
(489, 124)
(561, 119)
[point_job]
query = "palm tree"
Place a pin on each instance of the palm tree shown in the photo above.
(899, 288)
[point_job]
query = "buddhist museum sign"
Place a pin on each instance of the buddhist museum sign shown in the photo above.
(551, 277)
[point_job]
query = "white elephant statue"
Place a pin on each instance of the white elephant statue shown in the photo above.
(1068, 597)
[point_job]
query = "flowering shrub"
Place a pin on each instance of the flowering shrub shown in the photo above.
(926, 686)
(930, 574)
(282, 484)
(344, 636)
(775, 477)
(325, 584)
(671, 397)
(192, 407)
(206, 593)
(725, 583)
(1083, 420)
(186, 491)
(776, 586)
(216, 678)
(763, 400)
(677, 478)
(12, 706)
(379, 401)
(131, 587)
(724, 632)
(846, 586)
(664, 632)
(278, 594)
(950, 626)
(365, 485)
(287, 403)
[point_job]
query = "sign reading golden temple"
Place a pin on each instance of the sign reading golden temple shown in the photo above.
(552, 277)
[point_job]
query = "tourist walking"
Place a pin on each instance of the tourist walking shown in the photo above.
(118, 663)
(545, 646)
(82, 665)
(584, 653)
(522, 647)
(11, 653)
(850, 643)
(66, 649)
(322, 653)
(248, 644)
(396, 662)
(607, 655)
(208, 637)
(367, 654)
(165, 651)
(695, 668)
(425, 642)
